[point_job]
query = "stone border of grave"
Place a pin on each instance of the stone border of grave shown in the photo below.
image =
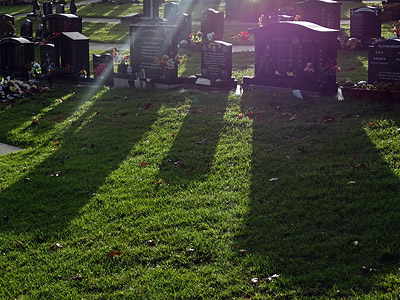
(6, 149)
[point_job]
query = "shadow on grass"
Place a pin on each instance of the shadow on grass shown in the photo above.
(192, 152)
(324, 205)
(50, 194)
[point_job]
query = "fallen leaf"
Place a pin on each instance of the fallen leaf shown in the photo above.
(27, 179)
(23, 170)
(112, 254)
(57, 144)
(351, 182)
(56, 174)
(240, 115)
(371, 124)
(190, 250)
(6, 218)
(272, 278)
(143, 163)
(77, 278)
(243, 251)
(274, 179)
(173, 134)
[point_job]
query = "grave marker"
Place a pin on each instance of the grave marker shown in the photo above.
(322, 12)
(26, 29)
(16, 53)
(299, 55)
(212, 25)
(384, 61)
(365, 23)
(151, 9)
(47, 57)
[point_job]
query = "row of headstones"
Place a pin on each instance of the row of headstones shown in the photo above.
(51, 25)
(48, 8)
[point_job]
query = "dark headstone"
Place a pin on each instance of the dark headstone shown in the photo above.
(322, 12)
(57, 23)
(184, 22)
(212, 24)
(47, 57)
(299, 55)
(16, 54)
(171, 10)
(73, 8)
(216, 60)
(6, 25)
(26, 29)
(72, 51)
(249, 10)
(151, 43)
(47, 8)
(39, 32)
(60, 9)
(384, 61)
(365, 23)
(35, 7)
(151, 9)
(107, 61)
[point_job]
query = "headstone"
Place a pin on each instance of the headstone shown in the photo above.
(384, 61)
(151, 9)
(249, 10)
(47, 8)
(47, 57)
(57, 23)
(216, 64)
(107, 61)
(73, 8)
(39, 32)
(298, 55)
(35, 7)
(6, 25)
(171, 10)
(149, 45)
(184, 22)
(212, 25)
(60, 9)
(322, 12)
(72, 51)
(16, 53)
(365, 23)
(26, 29)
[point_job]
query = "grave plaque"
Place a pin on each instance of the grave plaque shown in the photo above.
(16, 53)
(47, 8)
(384, 61)
(216, 60)
(171, 10)
(26, 29)
(322, 12)
(149, 44)
(300, 55)
(212, 25)
(151, 9)
(47, 57)
(365, 23)
(72, 51)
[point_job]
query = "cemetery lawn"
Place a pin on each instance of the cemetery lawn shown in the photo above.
(193, 195)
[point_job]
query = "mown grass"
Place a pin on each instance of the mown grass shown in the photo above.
(228, 188)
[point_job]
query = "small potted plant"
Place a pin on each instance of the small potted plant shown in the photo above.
(168, 64)
(121, 60)
(365, 90)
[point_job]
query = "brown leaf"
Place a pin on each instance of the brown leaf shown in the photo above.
(77, 278)
(243, 251)
(27, 179)
(54, 246)
(150, 243)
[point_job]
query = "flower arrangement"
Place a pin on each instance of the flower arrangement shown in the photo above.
(396, 28)
(260, 22)
(120, 58)
(99, 70)
(243, 37)
(196, 38)
(83, 73)
(167, 62)
(11, 89)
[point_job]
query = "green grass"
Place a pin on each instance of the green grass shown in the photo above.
(15, 9)
(108, 170)
(108, 11)
(106, 32)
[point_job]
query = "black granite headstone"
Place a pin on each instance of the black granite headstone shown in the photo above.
(26, 29)
(216, 60)
(6, 25)
(151, 9)
(57, 23)
(39, 32)
(300, 55)
(171, 10)
(72, 51)
(47, 57)
(184, 22)
(322, 12)
(16, 53)
(149, 45)
(365, 23)
(47, 8)
(384, 61)
(73, 8)
(35, 7)
(60, 9)
(212, 25)
(106, 60)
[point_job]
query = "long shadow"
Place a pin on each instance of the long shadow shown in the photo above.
(324, 204)
(48, 196)
(192, 152)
